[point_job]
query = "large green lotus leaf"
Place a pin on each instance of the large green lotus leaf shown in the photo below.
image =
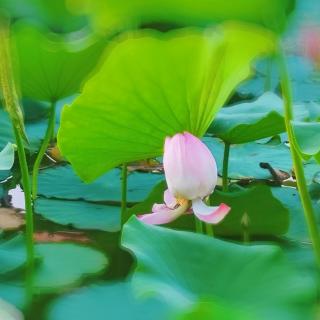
(153, 85)
(9, 312)
(112, 15)
(107, 300)
(80, 214)
(251, 121)
(307, 138)
(266, 214)
(51, 68)
(187, 268)
(7, 157)
(107, 188)
(251, 155)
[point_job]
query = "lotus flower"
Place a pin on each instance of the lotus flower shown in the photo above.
(311, 43)
(191, 174)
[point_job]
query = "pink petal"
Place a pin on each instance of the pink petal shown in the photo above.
(159, 207)
(164, 215)
(169, 199)
(209, 214)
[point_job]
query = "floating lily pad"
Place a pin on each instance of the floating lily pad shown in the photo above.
(80, 214)
(251, 121)
(251, 155)
(106, 188)
(77, 262)
(290, 198)
(12, 255)
(35, 131)
(111, 300)
(186, 268)
(64, 265)
(265, 214)
(307, 138)
(169, 88)
(7, 157)
(51, 68)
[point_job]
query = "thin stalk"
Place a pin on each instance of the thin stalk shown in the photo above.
(13, 107)
(245, 222)
(124, 177)
(297, 161)
(209, 227)
(198, 224)
(225, 167)
(43, 149)
(209, 230)
(29, 214)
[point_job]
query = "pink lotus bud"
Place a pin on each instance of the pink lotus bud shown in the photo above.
(191, 174)
(190, 169)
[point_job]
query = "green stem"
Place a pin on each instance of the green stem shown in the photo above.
(43, 149)
(199, 226)
(225, 167)
(209, 230)
(245, 222)
(124, 177)
(29, 213)
(297, 161)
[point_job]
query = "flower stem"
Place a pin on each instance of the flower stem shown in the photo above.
(124, 177)
(29, 213)
(225, 166)
(47, 138)
(297, 161)
(199, 226)
(209, 230)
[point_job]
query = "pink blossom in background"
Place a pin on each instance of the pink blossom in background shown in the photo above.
(310, 41)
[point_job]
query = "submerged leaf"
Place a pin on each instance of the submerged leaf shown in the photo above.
(152, 86)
